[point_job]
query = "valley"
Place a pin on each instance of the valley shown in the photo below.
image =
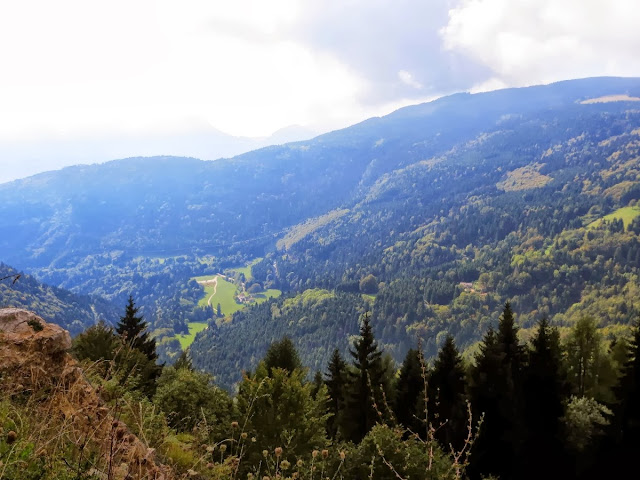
(513, 192)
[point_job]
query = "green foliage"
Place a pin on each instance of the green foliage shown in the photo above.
(336, 382)
(584, 419)
(96, 343)
(410, 393)
(280, 411)
(364, 398)
(369, 284)
(385, 454)
(132, 330)
(189, 398)
(447, 396)
(316, 321)
(283, 355)
(591, 371)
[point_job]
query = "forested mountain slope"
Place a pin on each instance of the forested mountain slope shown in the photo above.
(72, 312)
(454, 206)
(539, 209)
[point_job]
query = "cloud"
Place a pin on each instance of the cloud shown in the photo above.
(524, 42)
(380, 38)
(406, 78)
(74, 70)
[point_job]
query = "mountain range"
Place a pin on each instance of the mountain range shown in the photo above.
(453, 207)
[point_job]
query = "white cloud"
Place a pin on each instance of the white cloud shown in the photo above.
(525, 42)
(406, 78)
(78, 72)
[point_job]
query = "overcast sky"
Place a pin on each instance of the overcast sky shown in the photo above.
(84, 81)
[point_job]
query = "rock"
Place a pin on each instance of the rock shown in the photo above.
(26, 340)
(34, 361)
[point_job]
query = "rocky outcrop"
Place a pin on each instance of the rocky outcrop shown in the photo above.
(34, 362)
(32, 348)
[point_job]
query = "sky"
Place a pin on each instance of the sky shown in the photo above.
(83, 81)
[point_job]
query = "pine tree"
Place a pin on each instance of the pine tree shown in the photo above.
(282, 354)
(360, 413)
(514, 354)
(629, 392)
(317, 384)
(184, 362)
(544, 392)
(486, 382)
(133, 330)
(336, 379)
(497, 382)
(410, 392)
(447, 405)
(138, 360)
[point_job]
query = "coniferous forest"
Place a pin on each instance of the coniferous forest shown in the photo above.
(457, 297)
(559, 408)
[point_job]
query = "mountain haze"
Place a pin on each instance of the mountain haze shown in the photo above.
(454, 206)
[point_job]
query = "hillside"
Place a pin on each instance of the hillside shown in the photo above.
(538, 210)
(454, 206)
(72, 312)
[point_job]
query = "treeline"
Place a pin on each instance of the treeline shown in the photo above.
(71, 311)
(560, 408)
(316, 320)
(448, 243)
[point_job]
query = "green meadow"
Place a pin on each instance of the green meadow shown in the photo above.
(186, 340)
(627, 214)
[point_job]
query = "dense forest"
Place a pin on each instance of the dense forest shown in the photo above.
(73, 312)
(460, 281)
(573, 402)
(448, 209)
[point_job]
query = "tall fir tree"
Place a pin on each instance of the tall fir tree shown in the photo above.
(184, 361)
(140, 357)
(545, 389)
(133, 330)
(360, 411)
(628, 409)
(336, 382)
(486, 379)
(410, 393)
(447, 399)
(282, 354)
(497, 383)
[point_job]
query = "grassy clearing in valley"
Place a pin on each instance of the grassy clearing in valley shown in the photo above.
(627, 214)
(246, 270)
(186, 340)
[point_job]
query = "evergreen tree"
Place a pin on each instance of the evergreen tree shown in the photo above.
(282, 354)
(487, 382)
(138, 359)
(447, 401)
(280, 412)
(410, 393)
(98, 342)
(336, 379)
(544, 393)
(498, 379)
(629, 393)
(184, 361)
(513, 353)
(317, 384)
(360, 412)
(133, 330)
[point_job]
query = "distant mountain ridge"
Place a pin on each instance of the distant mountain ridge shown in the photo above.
(72, 312)
(455, 206)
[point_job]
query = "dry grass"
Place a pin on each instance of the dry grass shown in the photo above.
(524, 178)
(610, 98)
